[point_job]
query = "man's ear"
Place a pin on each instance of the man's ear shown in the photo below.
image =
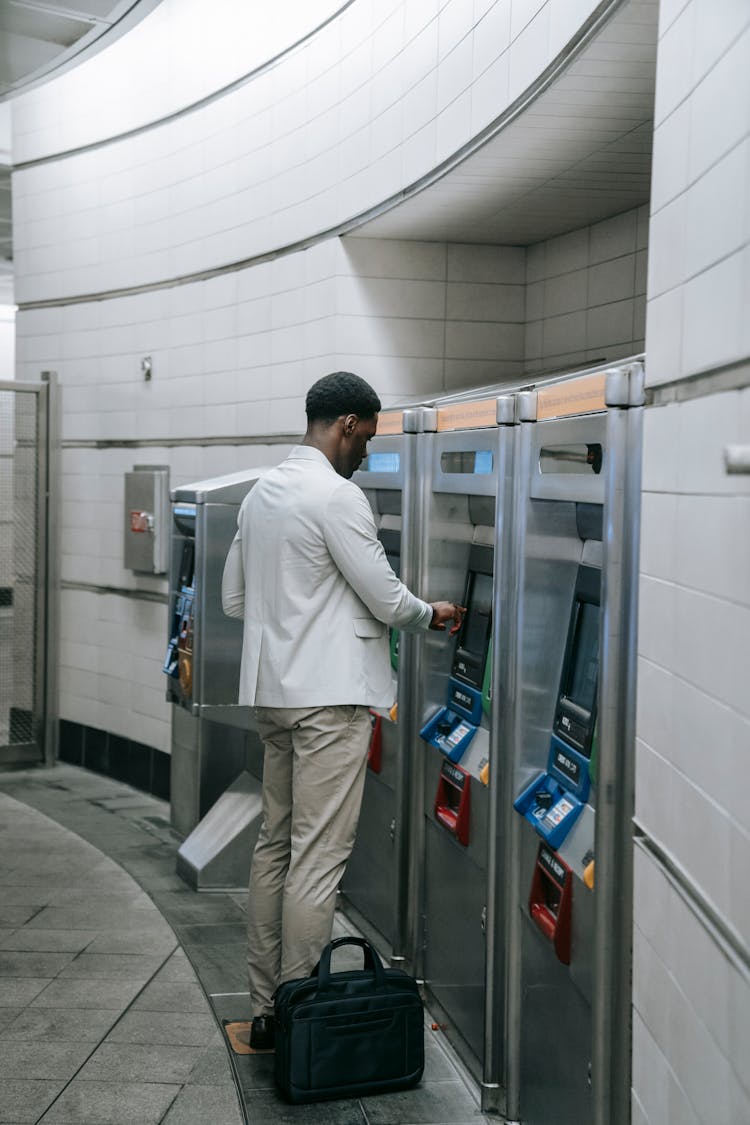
(350, 424)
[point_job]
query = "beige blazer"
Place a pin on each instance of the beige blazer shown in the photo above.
(310, 577)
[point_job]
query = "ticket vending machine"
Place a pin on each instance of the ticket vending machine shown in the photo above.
(376, 877)
(459, 464)
(216, 754)
(568, 714)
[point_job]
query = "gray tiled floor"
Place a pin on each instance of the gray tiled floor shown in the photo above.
(102, 1019)
(115, 977)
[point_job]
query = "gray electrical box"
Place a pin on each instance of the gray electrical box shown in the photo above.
(147, 523)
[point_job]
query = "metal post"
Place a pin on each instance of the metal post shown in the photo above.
(49, 561)
(610, 1064)
(401, 841)
(500, 781)
(409, 828)
(511, 656)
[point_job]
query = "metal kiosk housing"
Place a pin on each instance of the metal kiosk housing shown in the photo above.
(216, 754)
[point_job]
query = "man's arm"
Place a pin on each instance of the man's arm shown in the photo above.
(352, 540)
(233, 581)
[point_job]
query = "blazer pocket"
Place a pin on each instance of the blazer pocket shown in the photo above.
(368, 627)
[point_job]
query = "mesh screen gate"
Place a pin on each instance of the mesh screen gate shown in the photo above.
(24, 572)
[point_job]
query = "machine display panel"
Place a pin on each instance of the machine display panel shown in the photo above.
(381, 463)
(576, 705)
(580, 688)
(476, 628)
(391, 541)
(471, 651)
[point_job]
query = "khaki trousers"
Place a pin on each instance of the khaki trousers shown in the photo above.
(313, 780)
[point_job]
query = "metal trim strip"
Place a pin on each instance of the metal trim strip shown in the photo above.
(723, 935)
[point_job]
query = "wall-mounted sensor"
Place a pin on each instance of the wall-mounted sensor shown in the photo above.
(146, 368)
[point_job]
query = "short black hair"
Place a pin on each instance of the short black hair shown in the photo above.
(340, 393)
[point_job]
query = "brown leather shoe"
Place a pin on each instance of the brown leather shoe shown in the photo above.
(262, 1033)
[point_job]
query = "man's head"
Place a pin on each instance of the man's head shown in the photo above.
(342, 416)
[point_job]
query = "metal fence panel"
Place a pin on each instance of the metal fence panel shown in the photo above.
(21, 576)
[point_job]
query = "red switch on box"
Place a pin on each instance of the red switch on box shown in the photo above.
(551, 900)
(141, 521)
(453, 801)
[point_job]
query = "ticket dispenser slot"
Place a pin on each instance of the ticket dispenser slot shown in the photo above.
(453, 801)
(453, 727)
(551, 899)
(554, 800)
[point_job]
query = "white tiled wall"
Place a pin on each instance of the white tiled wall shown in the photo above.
(372, 102)
(691, 1032)
(233, 357)
(699, 273)
(586, 294)
(691, 1026)
(7, 341)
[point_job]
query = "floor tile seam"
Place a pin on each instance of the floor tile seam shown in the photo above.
(135, 880)
(96, 1045)
(148, 892)
(239, 1090)
(131, 877)
(49, 815)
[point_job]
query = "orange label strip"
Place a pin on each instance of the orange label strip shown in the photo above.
(579, 396)
(390, 422)
(468, 415)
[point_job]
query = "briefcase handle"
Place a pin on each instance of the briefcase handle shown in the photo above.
(372, 961)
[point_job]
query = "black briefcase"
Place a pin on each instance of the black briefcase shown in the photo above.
(340, 1035)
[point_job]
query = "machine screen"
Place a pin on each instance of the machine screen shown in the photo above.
(476, 628)
(584, 661)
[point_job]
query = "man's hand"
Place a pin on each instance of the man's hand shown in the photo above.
(443, 612)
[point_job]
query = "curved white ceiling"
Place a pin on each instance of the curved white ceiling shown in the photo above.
(180, 54)
(40, 38)
(578, 152)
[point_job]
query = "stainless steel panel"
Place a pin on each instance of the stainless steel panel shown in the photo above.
(616, 772)
(589, 487)
(216, 854)
(501, 821)
(146, 524)
(206, 758)
(377, 875)
(468, 441)
(455, 942)
(568, 1058)
(453, 881)
(217, 641)
(555, 1027)
(231, 488)
(372, 479)
(549, 1016)
(371, 871)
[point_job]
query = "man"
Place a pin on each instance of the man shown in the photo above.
(310, 577)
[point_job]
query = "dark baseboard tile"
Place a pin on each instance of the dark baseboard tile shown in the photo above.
(143, 767)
